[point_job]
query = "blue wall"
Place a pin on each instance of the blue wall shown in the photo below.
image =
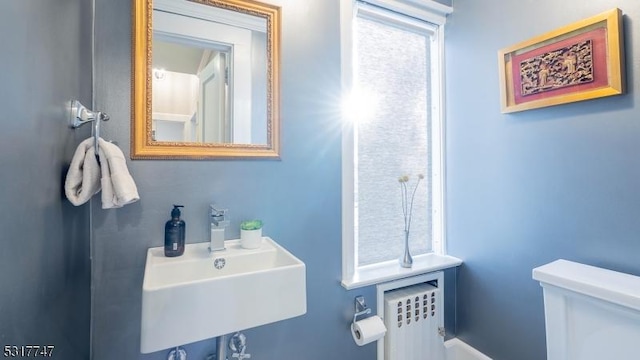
(527, 188)
(45, 271)
(523, 189)
(298, 197)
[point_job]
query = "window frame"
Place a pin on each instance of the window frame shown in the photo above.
(409, 14)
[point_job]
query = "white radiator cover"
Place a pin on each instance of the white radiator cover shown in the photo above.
(414, 319)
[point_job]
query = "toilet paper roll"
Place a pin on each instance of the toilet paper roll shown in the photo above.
(368, 330)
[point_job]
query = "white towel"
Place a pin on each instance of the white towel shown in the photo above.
(118, 187)
(83, 177)
(86, 177)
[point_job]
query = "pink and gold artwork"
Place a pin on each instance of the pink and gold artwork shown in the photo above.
(567, 66)
(578, 62)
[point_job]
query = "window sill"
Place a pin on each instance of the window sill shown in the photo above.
(390, 270)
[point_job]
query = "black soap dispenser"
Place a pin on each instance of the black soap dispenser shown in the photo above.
(174, 231)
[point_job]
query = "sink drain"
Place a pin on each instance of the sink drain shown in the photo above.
(219, 263)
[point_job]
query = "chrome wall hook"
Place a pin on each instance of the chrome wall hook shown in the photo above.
(80, 115)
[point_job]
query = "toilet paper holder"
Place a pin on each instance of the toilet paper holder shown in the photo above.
(360, 308)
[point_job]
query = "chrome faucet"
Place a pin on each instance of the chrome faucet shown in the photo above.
(219, 221)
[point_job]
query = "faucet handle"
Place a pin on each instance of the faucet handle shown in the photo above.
(241, 355)
(219, 216)
(217, 211)
(238, 342)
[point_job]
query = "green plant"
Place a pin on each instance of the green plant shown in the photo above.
(251, 225)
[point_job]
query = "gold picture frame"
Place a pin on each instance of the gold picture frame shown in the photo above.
(580, 61)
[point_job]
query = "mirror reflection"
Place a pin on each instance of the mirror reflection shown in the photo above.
(209, 78)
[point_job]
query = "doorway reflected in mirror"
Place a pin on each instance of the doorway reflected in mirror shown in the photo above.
(190, 94)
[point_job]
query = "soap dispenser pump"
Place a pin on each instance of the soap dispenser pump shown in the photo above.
(174, 233)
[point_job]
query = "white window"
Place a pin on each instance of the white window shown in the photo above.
(392, 69)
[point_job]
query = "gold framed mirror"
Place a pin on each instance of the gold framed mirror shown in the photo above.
(206, 80)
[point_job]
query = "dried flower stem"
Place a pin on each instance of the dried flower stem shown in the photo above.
(407, 205)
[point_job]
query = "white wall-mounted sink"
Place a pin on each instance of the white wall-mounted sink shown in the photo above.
(187, 298)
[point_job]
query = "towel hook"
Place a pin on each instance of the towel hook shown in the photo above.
(80, 115)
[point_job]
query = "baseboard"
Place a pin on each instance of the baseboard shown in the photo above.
(457, 349)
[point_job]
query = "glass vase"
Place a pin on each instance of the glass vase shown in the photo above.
(406, 260)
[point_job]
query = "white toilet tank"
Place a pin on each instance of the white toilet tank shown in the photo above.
(590, 313)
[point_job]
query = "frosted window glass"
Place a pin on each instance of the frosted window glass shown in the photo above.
(393, 65)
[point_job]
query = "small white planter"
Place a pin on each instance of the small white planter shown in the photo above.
(251, 239)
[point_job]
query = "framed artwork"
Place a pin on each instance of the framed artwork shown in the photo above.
(580, 61)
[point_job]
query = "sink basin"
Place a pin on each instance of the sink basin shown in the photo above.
(200, 295)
